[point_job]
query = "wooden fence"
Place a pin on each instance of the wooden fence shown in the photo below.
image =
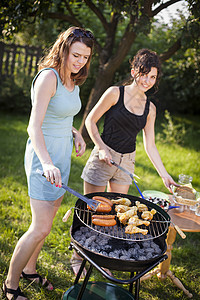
(16, 58)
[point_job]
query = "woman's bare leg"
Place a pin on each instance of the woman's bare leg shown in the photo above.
(117, 188)
(43, 213)
(30, 267)
(91, 188)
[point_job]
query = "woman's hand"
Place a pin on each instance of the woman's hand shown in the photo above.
(168, 181)
(104, 154)
(52, 174)
(79, 142)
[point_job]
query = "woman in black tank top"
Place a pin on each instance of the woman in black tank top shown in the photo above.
(127, 111)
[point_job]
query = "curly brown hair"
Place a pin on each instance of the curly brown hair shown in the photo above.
(58, 54)
(143, 61)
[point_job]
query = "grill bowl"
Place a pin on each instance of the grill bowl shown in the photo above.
(115, 263)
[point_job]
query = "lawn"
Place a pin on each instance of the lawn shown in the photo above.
(54, 260)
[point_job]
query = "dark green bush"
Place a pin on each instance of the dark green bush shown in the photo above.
(15, 94)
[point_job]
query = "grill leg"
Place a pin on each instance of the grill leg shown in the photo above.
(137, 288)
(131, 284)
(80, 271)
(84, 284)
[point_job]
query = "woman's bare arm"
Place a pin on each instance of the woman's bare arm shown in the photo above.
(108, 99)
(44, 89)
(151, 149)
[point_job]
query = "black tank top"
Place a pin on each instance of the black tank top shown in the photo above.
(121, 126)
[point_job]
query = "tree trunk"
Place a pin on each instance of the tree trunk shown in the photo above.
(105, 76)
(103, 81)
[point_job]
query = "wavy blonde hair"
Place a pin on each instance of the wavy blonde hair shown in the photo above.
(58, 54)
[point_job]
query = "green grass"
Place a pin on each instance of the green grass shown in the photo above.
(55, 255)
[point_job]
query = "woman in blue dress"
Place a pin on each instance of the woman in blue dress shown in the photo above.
(55, 101)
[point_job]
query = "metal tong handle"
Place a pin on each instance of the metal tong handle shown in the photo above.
(130, 174)
(124, 170)
(93, 204)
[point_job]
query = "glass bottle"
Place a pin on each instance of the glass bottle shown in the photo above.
(185, 179)
(197, 209)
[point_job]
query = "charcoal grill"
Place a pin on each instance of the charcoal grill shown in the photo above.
(157, 233)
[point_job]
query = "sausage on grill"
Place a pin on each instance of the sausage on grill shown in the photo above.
(104, 217)
(104, 222)
(103, 200)
(102, 207)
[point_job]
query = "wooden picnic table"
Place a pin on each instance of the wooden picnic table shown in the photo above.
(187, 221)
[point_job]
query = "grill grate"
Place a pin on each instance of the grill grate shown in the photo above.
(157, 227)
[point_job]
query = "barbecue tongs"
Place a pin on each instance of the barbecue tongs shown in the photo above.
(130, 174)
(124, 170)
(93, 204)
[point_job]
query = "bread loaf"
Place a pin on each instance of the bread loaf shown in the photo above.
(185, 192)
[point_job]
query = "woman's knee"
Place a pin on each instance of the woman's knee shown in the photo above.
(40, 233)
(45, 232)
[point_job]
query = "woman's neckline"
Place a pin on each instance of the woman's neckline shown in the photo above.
(138, 115)
(69, 91)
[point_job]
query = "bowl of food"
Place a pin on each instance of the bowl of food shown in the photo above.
(156, 197)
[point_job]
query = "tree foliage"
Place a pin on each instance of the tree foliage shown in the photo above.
(116, 24)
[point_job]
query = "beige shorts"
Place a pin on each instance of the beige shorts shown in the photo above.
(97, 172)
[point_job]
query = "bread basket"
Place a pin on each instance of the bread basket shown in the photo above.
(189, 196)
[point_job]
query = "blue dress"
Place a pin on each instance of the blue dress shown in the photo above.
(57, 131)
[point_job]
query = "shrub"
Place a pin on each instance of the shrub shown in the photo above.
(172, 133)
